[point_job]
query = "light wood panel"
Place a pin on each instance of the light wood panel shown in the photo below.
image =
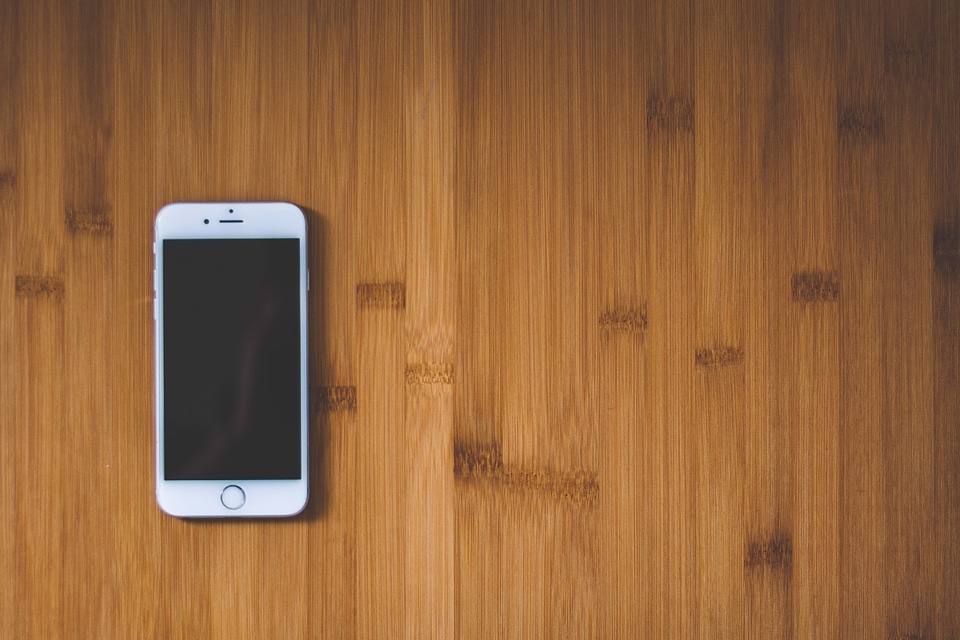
(627, 319)
(10, 559)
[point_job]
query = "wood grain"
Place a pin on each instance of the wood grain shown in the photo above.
(627, 319)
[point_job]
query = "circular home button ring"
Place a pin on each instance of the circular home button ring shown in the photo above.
(233, 497)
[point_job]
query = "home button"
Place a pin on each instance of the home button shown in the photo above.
(233, 497)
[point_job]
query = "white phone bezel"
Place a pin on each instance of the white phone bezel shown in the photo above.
(202, 498)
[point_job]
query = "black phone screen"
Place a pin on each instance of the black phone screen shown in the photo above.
(231, 359)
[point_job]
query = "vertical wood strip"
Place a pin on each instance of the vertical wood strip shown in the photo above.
(906, 220)
(12, 605)
(771, 125)
(477, 397)
(629, 467)
(39, 326)
(329, 191)
(945, 167)
(669, 196)
(430, 318)
(720, 232)
(525, 234)
(799, 438)
(138, 34)
(859, 93)
(382, 209)
(574, 592)
(649, 105)
(88, 490)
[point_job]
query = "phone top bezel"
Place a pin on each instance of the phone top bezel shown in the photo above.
(185, 221)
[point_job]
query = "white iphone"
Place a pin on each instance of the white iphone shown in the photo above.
(231, 359)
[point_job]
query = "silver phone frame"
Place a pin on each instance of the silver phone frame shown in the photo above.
(201, 498)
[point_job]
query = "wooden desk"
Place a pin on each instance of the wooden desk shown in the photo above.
(629, 320)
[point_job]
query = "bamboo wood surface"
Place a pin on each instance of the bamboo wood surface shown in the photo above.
(629, 319)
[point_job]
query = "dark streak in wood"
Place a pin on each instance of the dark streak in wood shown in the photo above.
(391, 295)
(484, 464)
(429, 373)
(92, 220)
(719, 357)
(333, 399)
(815, 286)
(36, 286)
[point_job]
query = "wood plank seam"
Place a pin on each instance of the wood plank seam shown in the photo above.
(429, 373)
(946, 250)
(35, 286)
(717, 357)
(95, 220)
(670, 113)
(8, 179)
(483, 464)
(333, 399)
(626, 321)
(905, 59)
(815, 286)
(860, 122)
(775, 552)
(390, 295)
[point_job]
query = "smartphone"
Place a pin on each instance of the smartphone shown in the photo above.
(230, 310)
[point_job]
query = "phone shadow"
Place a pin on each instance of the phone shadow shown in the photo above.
(319, 466)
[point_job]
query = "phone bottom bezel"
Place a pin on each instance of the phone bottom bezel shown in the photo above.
(201, 498)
